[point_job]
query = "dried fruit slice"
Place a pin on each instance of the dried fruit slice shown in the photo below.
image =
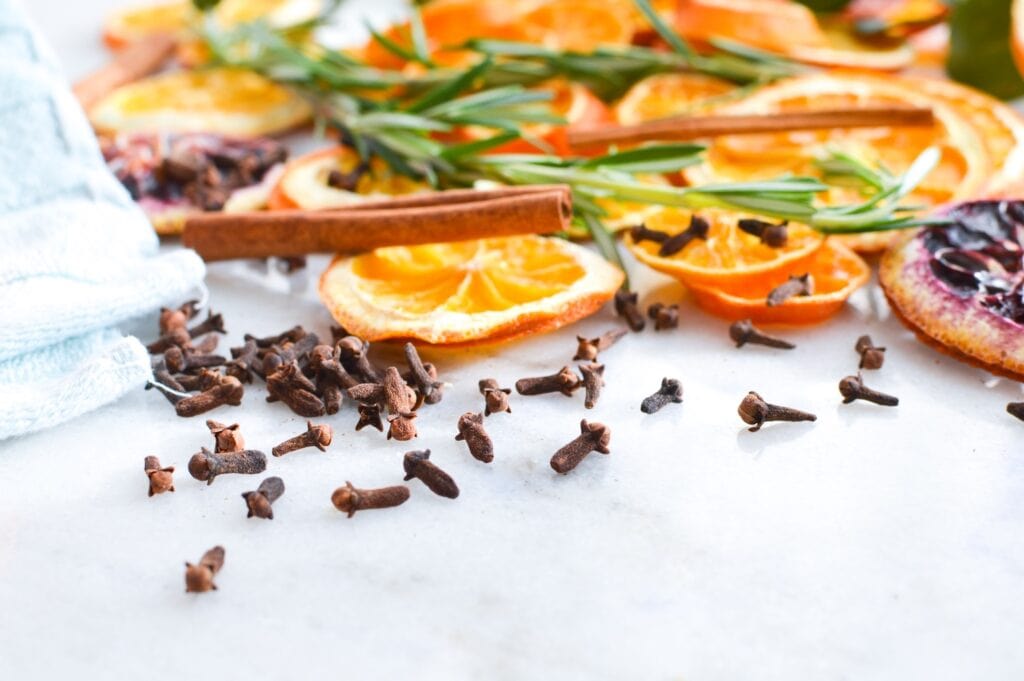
(337, 177)
(173, 176)
(219, 101)
(960, 287)
(578, 25)
(671, 94)
(728, 257)
(467, 292)
(963, 170)
(835, 270)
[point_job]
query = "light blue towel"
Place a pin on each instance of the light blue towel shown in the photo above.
(77, 257)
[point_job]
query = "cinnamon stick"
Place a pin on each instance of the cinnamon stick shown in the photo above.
(455, 215)
(131, 64)
(695, 127)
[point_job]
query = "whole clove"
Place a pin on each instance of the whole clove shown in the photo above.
(744, 331)
(428, 386)
(243, 360)
(203, 380)
(471, 429)
(319, 436)
(214, 323)
(642, 232)
(698, 229)
(349, 499)
(293, 334)
(593, 437)
(205, 465)
(756, 412)
(199, 578)
(593, 381)
(206, 345)
(369, 415)
(670, 392)
(402, 426)
(626, 307)
(161, 479)
(853, 388)
(664, 316)
(164, 381)
(260, 501)
(288, 385)
(495, 397)
(565, 381)
(588, 348)
(802, 285)
(179, 361)
(871, 356)
(353, 353)
(227, 391)
(177, 337)
(773, 235)
(226, 438)
(417, 465)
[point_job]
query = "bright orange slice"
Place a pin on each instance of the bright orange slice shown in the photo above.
(835, 270)
(222, 101)
(671, 94)
(728, 257)
(963, 170)
(306, 182)
(578, 25)
(138, 23)
(469, 291)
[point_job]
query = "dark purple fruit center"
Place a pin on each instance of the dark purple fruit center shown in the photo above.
(980, 255)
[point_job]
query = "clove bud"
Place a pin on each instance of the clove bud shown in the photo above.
(226, 438)
(593, 437)
(593, 381)
(207, 465)
(698, 229)
(428, 386)
(417, 465)
(642, 232)
(315, 436)
(471, 429)
(794, 286)
(853, 388)
(664, 316)
(260, 501)
(495, 398)
(160, 479)
(227, 391)
(349, 499)
(199, 578)
(626, 307)
(369, 415)
(671, 391)
(756, 412)
(871, 356)
(588, 348)
(773, 235)
(744, 331)
(565, 381)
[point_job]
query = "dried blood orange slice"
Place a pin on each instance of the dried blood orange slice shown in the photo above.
(469, 291)
(835, 270)
(960, 286)
(963, 171)
(335, 177)
(219, 101)
(728, 258)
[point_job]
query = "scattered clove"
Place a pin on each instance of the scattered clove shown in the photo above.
(164, 382)
(853, 388)
(226, 438)
(204, 380)
(593, 437)
(698, 229)
(756, 412)
(315, 436)
(671, 391)
(626, 307)
(179, 361)
(802, 285)
(773, 235)
(227, 391)
(243, 360)
(642, 232)
(593, 381)
(288, 384)
(664, 316)
(352, 352)
(177, 337)
(871, 356)
(417, 465)
(199, 578)
(369, 415)
(495, 397)
(744, 331)
(214, 323)
(588, 348)
(428, 386)
(349, 499)
(565, 382)
(293, 334)
(207, 465)
(402, 426)
(471, 429)
(160, 479)
(260, 501)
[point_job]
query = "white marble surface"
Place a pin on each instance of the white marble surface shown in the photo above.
(873, 544)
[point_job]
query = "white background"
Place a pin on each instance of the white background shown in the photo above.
(874, 544)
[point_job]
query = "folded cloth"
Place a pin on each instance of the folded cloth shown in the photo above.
(77, 257)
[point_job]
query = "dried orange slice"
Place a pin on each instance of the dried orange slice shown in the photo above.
(138, 23)
(671, 94)
(963, 170)
(728, 257)
(469, 291)
(307, 181)
(835, 270)
(578, 25)
(222, 101)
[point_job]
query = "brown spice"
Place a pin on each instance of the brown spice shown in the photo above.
(643, 233)
(802, 285)
(417, 465)
(428, 386)
(495, 397)
(588, 348)
(349, 499)
(593, 437)
(207, 465)
(756, 412)
(626, 307)
(565, 381)
(698, 229)
(199, 578)
(369, 415)
(593, 381)
(260, 501)
(664, 316)
(160, 479)
(471, 429)
(227, 391)
(671, 391)
(288, 384)
(773, 235)
(319, 436)
(744, 331)
(871, 356)
(226, 438)
(853, 388)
